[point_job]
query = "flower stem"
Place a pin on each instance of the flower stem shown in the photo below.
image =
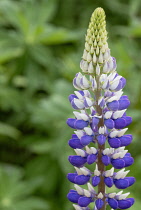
(101, 166)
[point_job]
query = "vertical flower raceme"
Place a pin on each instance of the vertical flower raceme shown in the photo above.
(100, 123)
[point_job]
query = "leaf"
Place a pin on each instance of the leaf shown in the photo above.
(32, 203)
(41, 54)
(117, 7)
(10, 46)
(47, 9)
(53, 35)
(8, 130)
(134, 7)
(14, 191)
(41, 147)
(45, 168)
(9, 10)
(11, 99)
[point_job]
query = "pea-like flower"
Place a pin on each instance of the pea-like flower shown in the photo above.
(100, 120)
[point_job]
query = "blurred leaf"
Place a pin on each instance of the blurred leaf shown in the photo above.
(41, 54)
(118, 7)
(134, 7)
(53, 35)
(14, 192)
(42, 147)
(46, 169)
(47, 9)
(131, 30)
(32, 203)
(11, 98)
(55, 107)
(10, 46)
(9, 131)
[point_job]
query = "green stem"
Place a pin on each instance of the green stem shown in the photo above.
(101, 166)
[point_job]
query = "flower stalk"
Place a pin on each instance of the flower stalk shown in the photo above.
(100, 119)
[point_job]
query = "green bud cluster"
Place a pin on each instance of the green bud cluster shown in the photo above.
(96, 51)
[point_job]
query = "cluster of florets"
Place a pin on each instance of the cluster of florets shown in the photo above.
(101, 75)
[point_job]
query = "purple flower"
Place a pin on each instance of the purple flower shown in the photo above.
(99, 118)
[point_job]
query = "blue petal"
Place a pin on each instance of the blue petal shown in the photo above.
(119, 87)
(72, 190)
(84, 201)
(75, 143)
(106, 160)
(127, 154)
(124, 204)
(86, 104)
(82, 179)
(95, 180)
(95, 121)
(128, 120)
(74, 105)
(123, 80)
(101, 139)
(125, 140)
(118, 163)
(121, 183)
(80, 124)
(114, 105)
(99, 203)
(128, 161)
(71, 97)
(77, 161)
(120, 123)
(114, 142)
(108, 181)
(109, 123)
(81, 92)
(73, 197)
(74, 136)
(85, 140)
(113, 203)
(132, 200)
(70, 122)
(131, 180)
(91, 158)
(124, 97)
(71, 177)
(123, 104)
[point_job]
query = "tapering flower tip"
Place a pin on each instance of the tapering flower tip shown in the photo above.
(96, 50)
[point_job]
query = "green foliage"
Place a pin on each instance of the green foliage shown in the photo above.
(15, 193)
(41, 44)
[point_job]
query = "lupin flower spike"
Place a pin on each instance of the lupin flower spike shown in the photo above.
(100, 117)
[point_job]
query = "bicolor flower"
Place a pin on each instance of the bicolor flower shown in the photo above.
(100, 116)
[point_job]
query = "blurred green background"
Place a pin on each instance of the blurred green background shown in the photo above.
(41, 44)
